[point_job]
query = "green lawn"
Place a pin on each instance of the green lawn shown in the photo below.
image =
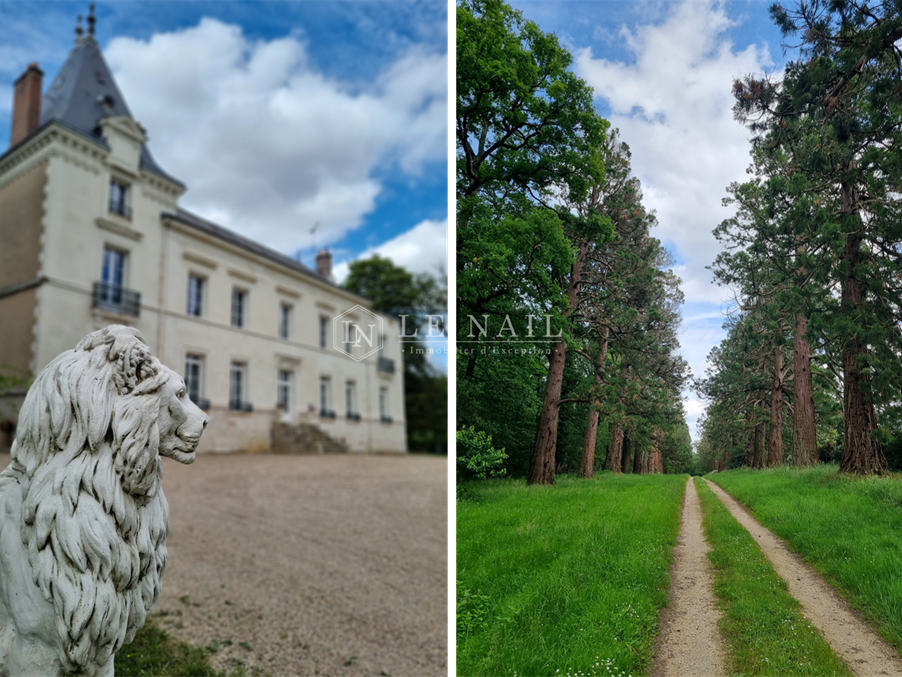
(849, 528)
(153, 653)
(764, 631)
(564, 580)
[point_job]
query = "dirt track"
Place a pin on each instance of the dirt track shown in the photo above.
(689, 643)
(309, 565)
(863, 649)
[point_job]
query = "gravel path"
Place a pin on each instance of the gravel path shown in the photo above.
(866, 652)
(689, 642)
(309, 565)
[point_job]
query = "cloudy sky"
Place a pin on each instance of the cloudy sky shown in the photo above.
(279, 116)
(662, 73)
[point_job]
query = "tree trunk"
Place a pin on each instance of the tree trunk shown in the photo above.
(804, 433)
(626, 461)
(615, 446)
(587, 461)
(775, 444)
(541, 467)
(758, 452)
(859, 454)
(758, 459)
(615, 449)
(638, 453)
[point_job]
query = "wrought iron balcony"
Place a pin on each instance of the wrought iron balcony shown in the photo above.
(386, 365)
(386, 419)
(353, 416)
(240, 405)
(327, 413)
(116, 298)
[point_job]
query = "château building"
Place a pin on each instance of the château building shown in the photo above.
(91, 234)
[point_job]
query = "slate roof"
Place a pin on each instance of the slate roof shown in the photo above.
(84, 92)
(247, 244)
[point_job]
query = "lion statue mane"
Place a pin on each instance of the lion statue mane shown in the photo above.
(83, 519)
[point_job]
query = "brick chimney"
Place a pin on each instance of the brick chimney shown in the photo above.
(26, 103)
(324, 263)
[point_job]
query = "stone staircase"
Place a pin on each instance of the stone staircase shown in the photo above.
(303, 438)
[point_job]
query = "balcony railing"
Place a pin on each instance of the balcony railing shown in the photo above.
(353, 416)
(386, 365)
(240, 405)
(386, 419)
(116, 298)
(327, 413)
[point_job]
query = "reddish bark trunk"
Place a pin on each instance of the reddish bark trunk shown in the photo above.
(615, 446)
(804, 433)
(638, 453)
(860, 454)
(775, 443)
(541, 467)
(587, 461)
(758, 450)
(626, 463)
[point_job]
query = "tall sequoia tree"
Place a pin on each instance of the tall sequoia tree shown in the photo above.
(836, 116)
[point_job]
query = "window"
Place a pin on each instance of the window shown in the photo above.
(351, 400)
(284, 320)
(193, 375)
(283, 396)
(237, 379)
(239, 301)
(323, 331)
(347, 335)
(119, 199)
(383, 405)
(325, 397)
(113, 277)
(195, 295)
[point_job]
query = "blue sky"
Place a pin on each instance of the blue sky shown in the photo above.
(662, 73)
(339, 108)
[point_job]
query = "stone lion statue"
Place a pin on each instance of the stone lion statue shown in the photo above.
(83, 519)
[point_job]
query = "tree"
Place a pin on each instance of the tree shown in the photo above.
(836, 116)
(527, 146)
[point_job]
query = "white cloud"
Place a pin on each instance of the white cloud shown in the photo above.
(268, 144)
(422, 249)
(692, 409)
(673, 108)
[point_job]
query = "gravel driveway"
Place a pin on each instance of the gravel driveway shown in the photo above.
(309, 565)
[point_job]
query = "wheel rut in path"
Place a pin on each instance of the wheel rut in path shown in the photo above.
(689, 642)
(863, 649)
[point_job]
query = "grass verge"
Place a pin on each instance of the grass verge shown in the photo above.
(564, 580)
(848, 528)
(153, 653)
(763, 628)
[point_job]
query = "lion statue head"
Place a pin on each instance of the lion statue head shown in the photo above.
(83, 519)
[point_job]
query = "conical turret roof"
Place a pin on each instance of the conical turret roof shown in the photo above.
(84, 92)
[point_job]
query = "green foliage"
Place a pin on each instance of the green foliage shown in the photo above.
(847, 527)
(764, 629)
(419, 300)
(476, 457)
(565, 577)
